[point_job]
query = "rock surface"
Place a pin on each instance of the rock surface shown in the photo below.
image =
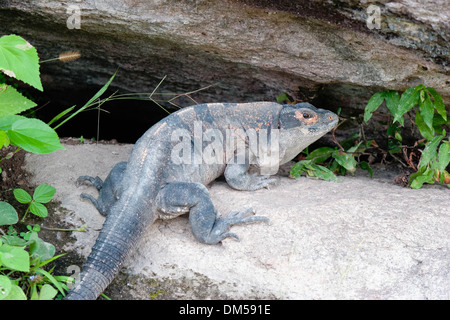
(360, 238)
(249, 50)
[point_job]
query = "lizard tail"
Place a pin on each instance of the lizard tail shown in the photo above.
(117, 239)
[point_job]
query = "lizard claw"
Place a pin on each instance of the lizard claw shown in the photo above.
(259, 182)
(96, 182)
(222, 225)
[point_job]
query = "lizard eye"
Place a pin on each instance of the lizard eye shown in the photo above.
(306, 116)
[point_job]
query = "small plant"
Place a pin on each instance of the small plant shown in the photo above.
(19, 60)
(43, 194)
(23, 256)
(22, 274)
(430, 116)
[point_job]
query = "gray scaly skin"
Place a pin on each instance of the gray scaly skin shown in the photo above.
(151, 185)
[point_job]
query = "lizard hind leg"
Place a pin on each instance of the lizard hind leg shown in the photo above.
(96, 182)
(109, 190)
(207, 226)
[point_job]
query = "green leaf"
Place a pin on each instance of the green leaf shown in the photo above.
(283, 98)
(35, 136)
(425, 131)
(438, 102)
(16, 293)
(12, 101)
(427, 111)
(8, 215)
(44, 193)
(322, 172)
(60, 115)
(320, 154)
(38, 209)
(444, 156)
(41, 249)
(15, 258)
(19, 59)
(374, 102)
(22, 196)
(416, 180)
(4, 139)
(47, 292)
(7, 121)
(430, 151)
(5, 287)
(392, 100)
(298, 168)
(347, 160)
(52, 280)
(14, 241)
(408, 100)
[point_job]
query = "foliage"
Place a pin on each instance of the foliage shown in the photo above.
(43, 194)
(23, 257)
(22, 273)
(19, 60)
(429, 117)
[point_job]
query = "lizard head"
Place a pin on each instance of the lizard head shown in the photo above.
(302, 124)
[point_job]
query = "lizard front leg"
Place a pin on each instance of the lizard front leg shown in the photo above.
(109, 190)
(181, 197)
(238, 177)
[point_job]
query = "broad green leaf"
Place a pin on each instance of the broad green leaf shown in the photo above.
(15, 258)
(430, 151)
(8, 215)
(38, 209)
(5, 287)
(417, 179)
(408, 100)
(16, 293)
(44, 193)
(320, 154)
(12, 101)
(19, 59)
(425, 130)
(35, 136)
(22, 196)
(444, 156)
(40, 248)
(14, 241)
(392, 100)
(323, 173)
(374, 102)
(427, 111)
(438, 102)
(298, 168)
(47, 292)
(7, 121)
(346, 160)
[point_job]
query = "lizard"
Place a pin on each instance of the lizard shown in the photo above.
(168, 170)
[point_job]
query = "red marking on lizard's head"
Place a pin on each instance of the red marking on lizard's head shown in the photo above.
(306, 117)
